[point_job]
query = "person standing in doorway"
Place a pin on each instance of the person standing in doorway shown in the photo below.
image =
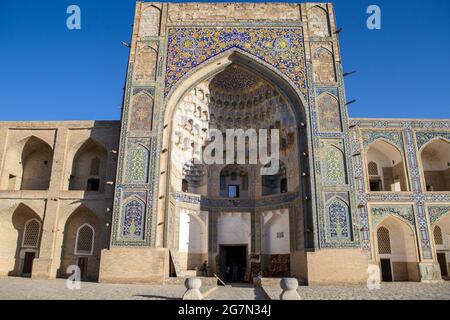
(204, 268)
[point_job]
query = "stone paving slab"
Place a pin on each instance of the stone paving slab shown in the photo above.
(237, 292)
(21, 288)
(388, 291)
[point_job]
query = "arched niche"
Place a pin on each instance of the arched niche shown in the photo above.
(441, 237)
(150, 20)
(339, 224)
(435, 159)
(334, 168)
(234, 182)
(329, 116)
(89, 167)
(323, 66)
(192, 240)
(194, 175)
(133, 219)
(389, 162)
(20, 235)
(275, 184)
(318, 22)
(396, 250)
(89, 262)
(28, 165)
(37, 160)
(201, 99)
(275, 243)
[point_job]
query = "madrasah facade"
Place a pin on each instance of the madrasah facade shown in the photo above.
(128, 201)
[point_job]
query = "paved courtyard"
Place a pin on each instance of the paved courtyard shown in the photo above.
(20, 288)
(388, 291)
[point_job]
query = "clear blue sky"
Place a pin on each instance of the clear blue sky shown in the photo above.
(50, 73)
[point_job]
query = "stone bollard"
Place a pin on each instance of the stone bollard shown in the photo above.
(289, 287)
(192, 285)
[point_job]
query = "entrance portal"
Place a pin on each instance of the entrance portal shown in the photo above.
(234, 262)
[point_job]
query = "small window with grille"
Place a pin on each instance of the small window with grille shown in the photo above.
(438, 240)
(384, 241)
(85, 240)
(373, 169)
(31, 234)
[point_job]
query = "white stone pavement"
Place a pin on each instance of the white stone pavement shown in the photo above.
(388, 291)
(21, 288)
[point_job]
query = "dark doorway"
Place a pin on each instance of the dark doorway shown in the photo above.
(28, 263)
(375, 185)
(283, 186)
(93, 184)
(442, 263)
(83, 264)
(386, 271)
(234, 262)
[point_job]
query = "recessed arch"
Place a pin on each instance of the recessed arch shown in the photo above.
(329, 116)
(324, 69)
(276, 183)
(137, 164)
(150, 18)
(88, 165)
(192, 238)
(318, 22)
(218, 63)
(275, 243)
(334, 166)
(435, 164)
(339, 224)
(71, 254)
(398, 259)
(133, 214)
(203, 89)
(37, 161)
(438, 138)
(389, 160)
(141, 111)
(28, 165)
(20, 235)
(275, 237)
(441, 239)
(194, 173)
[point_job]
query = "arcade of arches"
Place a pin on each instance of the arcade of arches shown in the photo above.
(135, 200)
(55, 197)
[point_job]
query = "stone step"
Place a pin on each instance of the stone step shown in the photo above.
(206, 281)
(175, 262)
